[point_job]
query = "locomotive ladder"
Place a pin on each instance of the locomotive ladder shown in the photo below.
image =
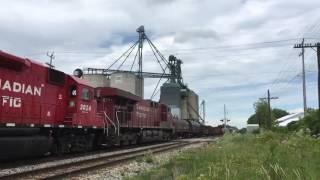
(107, 119)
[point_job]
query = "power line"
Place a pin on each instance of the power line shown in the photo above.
(226, 47)
(310, 28)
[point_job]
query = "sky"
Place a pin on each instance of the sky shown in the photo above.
(232, 50)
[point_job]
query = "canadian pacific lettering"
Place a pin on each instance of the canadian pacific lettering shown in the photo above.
(14, 102)
(18, 87)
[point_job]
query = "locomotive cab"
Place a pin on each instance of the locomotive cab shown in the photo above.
(81, 108)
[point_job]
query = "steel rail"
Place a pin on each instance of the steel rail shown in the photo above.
(60, 170)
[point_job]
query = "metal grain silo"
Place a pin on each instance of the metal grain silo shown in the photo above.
(124, 81)
(97, 80)
(193, 105)
(139, 87)
(128, 82)
(189, 104)
(170, 95)
(184, 103)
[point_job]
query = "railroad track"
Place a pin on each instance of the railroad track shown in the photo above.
(65, 168)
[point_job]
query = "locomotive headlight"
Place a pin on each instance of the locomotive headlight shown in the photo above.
(71, 104)
(78, 73)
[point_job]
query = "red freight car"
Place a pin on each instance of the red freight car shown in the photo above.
(132, 118)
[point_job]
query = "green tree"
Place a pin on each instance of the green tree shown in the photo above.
(253, 119)
(278, 113)
(261, 115)
(261, 112)
(312, 121)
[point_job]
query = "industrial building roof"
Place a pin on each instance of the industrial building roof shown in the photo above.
(285, 120)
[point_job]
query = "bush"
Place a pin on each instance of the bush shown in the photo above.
(242, 131)
(311, 121)
(294, 125)
(256, 131)
(280, 129)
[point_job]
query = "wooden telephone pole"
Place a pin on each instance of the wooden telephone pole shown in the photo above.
(316, 45)
(269, 98)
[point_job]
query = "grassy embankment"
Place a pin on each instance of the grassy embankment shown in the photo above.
(263, 156)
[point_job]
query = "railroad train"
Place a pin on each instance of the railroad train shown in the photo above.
(43, 110)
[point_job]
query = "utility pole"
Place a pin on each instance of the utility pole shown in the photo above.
(51, 56)
(316, 45)
(224, 116)
(225, 120)
(269, 98)
(318, 56)
(303, 79)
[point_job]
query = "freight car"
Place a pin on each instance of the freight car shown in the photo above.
(212, 131)
(182, 128)
(45, 110)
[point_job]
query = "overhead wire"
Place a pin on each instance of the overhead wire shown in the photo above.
(287, 62)
(239, 47)
(290, 82)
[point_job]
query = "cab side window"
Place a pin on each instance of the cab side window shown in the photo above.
(73, 91)
(85, 94)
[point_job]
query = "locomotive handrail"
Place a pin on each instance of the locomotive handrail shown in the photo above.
(104, 122)
(118, 122)
(107, 129)
(108, 118)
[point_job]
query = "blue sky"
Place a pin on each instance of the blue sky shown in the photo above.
(233, 50)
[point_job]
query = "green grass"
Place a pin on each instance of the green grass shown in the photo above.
(262, 156)
(147, 157)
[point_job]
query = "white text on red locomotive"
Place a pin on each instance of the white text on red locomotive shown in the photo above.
(18, 87)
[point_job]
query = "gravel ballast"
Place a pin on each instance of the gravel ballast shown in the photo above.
(136, 167)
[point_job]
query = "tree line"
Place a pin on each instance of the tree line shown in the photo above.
(309, 123)
(261, 115)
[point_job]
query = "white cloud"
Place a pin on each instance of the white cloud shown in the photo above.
(87, 33)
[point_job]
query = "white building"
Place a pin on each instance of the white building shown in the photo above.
(285, 120)
(252, 127)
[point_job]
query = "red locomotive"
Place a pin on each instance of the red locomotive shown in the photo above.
(45, 110)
